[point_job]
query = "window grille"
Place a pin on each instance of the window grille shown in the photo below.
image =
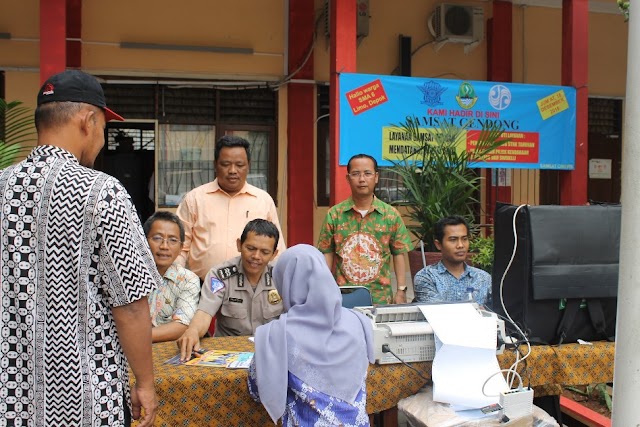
(190, 120)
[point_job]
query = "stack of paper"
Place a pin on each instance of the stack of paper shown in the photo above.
(465, 356)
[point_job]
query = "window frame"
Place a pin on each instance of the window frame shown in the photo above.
(140, 103)
(272, 175)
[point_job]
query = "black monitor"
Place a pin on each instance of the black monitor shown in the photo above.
(563, 280)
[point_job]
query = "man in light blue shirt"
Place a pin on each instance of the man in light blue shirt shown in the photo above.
(452, 279)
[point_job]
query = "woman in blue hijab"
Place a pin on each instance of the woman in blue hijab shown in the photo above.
(310, 365)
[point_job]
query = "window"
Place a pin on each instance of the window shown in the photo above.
(605, 116)
(185, 160)
(322, 150)
(262, 151)
(190, 121)
(389, 189)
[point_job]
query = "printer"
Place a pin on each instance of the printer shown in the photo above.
(406, 332)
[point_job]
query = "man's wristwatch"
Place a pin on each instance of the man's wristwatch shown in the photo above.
(402, 288)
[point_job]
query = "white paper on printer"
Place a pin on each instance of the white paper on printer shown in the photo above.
(467, 356)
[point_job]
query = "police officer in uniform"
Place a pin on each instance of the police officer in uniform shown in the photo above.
(240, 291)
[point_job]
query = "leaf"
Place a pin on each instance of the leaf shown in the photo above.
(18, 133)
(438, 177)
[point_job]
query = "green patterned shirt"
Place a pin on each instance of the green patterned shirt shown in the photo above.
(364, 246)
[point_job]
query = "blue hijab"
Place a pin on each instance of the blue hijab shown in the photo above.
(325, 345)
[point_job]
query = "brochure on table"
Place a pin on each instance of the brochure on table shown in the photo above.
(218, 359)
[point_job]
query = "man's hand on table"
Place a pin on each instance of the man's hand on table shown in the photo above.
(188, 343)
(144, 398)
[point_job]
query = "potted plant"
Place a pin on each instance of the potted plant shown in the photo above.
(481, 250)
(17, 133)
(438, 178)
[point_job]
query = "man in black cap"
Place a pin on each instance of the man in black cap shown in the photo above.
(75, 270)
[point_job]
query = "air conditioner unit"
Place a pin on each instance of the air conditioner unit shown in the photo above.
(457, 23)
(362, 18)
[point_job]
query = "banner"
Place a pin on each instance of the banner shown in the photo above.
(539, 121)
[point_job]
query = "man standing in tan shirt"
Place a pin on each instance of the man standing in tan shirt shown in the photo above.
(215, 213)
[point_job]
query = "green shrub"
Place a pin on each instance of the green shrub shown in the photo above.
(482, 250)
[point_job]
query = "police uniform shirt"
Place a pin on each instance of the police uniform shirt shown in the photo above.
(240, 307)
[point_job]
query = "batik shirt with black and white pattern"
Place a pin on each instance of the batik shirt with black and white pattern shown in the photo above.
(72, 247)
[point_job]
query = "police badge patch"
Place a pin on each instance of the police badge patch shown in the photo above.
(273, 297)
(216, 285)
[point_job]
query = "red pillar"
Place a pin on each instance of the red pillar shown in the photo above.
(575, 65)
(53, 32)
(499, 69)
(343, 60)
(301, 129)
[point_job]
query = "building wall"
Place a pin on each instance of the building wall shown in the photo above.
(237, 24)
(378, 53)
(537, 49)
(262, 26)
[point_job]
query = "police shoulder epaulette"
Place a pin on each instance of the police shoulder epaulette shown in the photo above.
(268, 275)
(226, 272)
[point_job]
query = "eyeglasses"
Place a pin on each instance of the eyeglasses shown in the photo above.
(171, 241)
(357, 174)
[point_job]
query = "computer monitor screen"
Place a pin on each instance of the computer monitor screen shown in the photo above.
(565, 256)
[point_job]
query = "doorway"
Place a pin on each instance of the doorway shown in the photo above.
(129, 155)
(605, 156)
(605, 169)
(605, 150)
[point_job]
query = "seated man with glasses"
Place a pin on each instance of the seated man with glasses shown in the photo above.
(174, 303)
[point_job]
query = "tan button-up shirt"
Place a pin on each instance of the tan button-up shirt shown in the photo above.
(213, 221)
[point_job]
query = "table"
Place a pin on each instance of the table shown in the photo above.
(203, 396)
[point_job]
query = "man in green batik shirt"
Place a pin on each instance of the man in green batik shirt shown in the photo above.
(363, 233)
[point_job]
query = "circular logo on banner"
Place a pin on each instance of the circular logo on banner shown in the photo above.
(499, 97)
(361, 258)
(466, 97)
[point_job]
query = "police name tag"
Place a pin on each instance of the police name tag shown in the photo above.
(216, 285)
(239, 300)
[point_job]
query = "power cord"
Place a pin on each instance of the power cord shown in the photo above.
(499, 372)
(513, 367)
(387, 349)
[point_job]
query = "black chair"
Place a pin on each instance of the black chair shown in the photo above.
(355, 296)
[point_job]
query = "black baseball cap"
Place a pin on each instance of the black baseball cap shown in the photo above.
(75, 86)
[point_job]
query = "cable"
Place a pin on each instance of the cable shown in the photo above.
(386, 349)
(496, 373)
(516, 348)
(518, 355)
(312, 46)
(514, 366)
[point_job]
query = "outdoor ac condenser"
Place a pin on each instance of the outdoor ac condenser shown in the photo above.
(456, 23)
